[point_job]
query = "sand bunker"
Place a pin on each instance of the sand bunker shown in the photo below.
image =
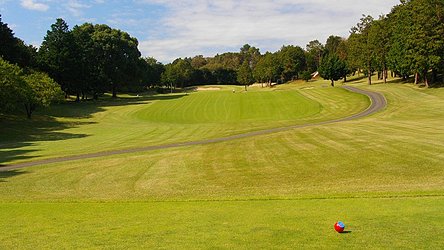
(207, 88)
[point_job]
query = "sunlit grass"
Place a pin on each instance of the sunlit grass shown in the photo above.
(152, 120)
(382, 175)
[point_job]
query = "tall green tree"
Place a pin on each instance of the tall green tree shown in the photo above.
(30, 91)
(267, 69)
(88, 74)
(14, 49)
(425, 40)
(399, 27)
(342, 51)
(332, 68)
(178, 73)
(40, 91)
(379, 41)
(154, 70)
(118, 56)
(292, 62)
(245, 74)
(360, 49)
(12, 86)
(251, 54)
(332, 44)
(57, 55)
(314, 51)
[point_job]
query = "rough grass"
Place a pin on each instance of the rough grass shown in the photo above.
(382, 175)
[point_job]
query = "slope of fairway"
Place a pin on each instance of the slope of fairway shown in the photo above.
(382, 175)
(396, 152)
(226, 107)
(134, 122)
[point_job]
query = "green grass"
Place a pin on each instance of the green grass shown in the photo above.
(382, 175)
(372, 223)
(134, 122)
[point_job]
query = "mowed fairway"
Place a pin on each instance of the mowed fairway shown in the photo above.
(382, 175)
(132, 122)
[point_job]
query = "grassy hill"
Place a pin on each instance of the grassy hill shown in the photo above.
(382, 175)
(152, 120)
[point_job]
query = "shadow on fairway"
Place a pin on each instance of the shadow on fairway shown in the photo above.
(346, 232)
(17, 132)
(356, 79)
(11, 173)
(85, 109)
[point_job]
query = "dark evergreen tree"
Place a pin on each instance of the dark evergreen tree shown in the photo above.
(332, 68)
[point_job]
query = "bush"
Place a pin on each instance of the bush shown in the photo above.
(306, 76)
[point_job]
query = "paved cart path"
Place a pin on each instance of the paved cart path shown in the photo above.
(378, 102)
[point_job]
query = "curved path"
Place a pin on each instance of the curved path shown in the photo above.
(378, 103)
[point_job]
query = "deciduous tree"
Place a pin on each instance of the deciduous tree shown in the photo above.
(12, 86)
(40, 91)
(292, 62)
(332, 68)
(245, 75)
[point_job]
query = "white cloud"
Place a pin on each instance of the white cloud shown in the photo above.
(75, 7)
(33, 5)
(192, 27)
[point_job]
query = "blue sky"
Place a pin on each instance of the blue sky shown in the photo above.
(167, 29)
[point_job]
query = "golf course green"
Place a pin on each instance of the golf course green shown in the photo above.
(382, 175)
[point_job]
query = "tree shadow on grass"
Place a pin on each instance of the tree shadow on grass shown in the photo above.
(85, 109)
(10, 173)
(17, 133)
(14, 152)
(356, 78)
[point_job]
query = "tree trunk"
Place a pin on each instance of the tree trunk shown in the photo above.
(426, 81)
(246, 87)
(345, 78)
(384, 75)
(114, 91)
(434, 76)
(332, 83)
(29, 109)
(78, 97)
(28, 113)
(416, 78)
(369, 77)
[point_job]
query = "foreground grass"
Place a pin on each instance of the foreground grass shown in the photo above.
(370, 223)
(382, 175)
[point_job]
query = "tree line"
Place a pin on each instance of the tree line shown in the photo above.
(409, 41)
(243, 67)
(91, 59)
(88, 60)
